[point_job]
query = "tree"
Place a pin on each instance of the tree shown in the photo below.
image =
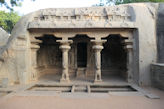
(116, 2)
(11, 3)
(136, 1)
(8, 20)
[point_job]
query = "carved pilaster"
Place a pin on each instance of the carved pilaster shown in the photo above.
(129, 48)
(34, 48)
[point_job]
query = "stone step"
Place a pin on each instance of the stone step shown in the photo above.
(82, 68)
(110, 89)
(80, 72)
(80, 88)
(60, 89)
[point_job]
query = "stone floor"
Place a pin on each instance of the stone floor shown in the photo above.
(21, 98)
(49, 100)
(52, 78)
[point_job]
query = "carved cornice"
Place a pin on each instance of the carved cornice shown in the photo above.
(113, 16)
(113, 13)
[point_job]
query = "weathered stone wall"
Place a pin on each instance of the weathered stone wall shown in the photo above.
(145, 39)
(49, 56)
(160, 33)
(157, 75)
(157, 69)
(49, 53)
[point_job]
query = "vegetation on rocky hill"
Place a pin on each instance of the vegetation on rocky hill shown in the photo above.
(116, 2)
(8, 20)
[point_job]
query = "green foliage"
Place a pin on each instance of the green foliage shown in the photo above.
(11, 3)
(116, 2)
(135, 1)
(8, 20)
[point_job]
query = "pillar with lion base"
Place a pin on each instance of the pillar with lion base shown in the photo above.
(97, 47)
(65, 47)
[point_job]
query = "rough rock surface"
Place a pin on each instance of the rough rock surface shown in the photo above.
(158, 75)
(160, 33)
(3, 54)
(3, 37)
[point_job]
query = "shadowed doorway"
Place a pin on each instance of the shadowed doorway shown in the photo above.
(82, 54)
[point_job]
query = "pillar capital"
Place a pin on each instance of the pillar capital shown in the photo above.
(128, 44)
(129, 47)
(35, 44)
(97, 47)
(64, 47)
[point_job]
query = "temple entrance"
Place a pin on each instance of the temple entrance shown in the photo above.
(82, 59)
(81, 47)
(82, 54)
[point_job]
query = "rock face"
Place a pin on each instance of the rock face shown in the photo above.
(160, 33)
(158, 68)
(158, 75)
(134, 23)
(3, 37)
(3, 41)
(3, 56)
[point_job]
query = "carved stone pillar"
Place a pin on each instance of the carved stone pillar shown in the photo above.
(34, 48)
(129, 48)
(97, 47)
(65, 47)
(34, 75)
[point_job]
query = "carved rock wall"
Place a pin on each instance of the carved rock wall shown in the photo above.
(140, 18)
(83, 17)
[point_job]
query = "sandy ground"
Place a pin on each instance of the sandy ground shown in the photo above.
(58, 102)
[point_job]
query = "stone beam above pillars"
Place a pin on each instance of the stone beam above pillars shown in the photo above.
(65, 47)
(97, 47)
